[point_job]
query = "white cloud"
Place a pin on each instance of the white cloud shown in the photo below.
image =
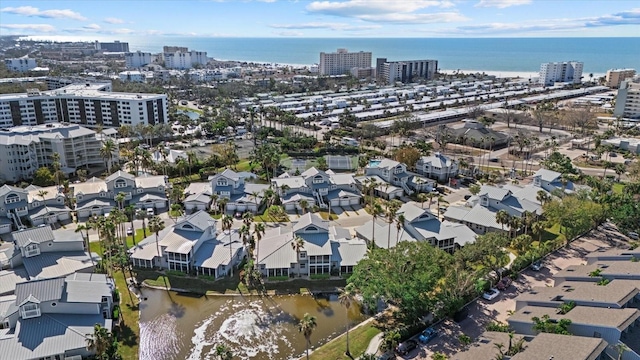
(112, 20)
(44, 28)
(501, 4)
(324, 25)
(289, 33)
(406, 11)
(92, 27)
(49, 14)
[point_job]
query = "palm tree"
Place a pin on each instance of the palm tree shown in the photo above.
(542, 197)
(297, 245)
(399, 225)
(107, 152)
(214, 202)
(42, 194)
(514, 224)
(376, 210)
(442, 200)
(102, 342)
(392, 209)
(306, 326)
(502, 218)
(527, 220)
(258, 231)
(223, 352)
(130, 211)
(156, 224)
(176, 209)
(538, 228)
(304, 205)
(390, 340)
(85, 227)
(227, 224)
(422, 197)
(142, 215)
(347, 297)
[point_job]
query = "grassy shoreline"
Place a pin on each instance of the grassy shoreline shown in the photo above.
(359, 339)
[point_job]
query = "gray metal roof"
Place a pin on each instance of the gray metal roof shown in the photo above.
(7, 306)
(562, 347)
(547, 175)
(49, 335)
(212, 254)
(9, 279)
(494, 192)
(36, 235)
(43, 290)
(5, 189)
(119, 174)
(58, 264)
(581, 315)
(348, 253)
(201, 220)
(86, 288)
(310, 219)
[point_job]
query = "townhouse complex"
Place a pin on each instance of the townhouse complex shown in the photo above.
(88, 104)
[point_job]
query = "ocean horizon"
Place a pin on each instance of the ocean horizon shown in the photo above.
(509, 55)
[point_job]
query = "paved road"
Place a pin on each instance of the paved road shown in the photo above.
(483, 312)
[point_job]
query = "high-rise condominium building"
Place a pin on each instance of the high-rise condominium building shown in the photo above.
(342, 61)
(405, 71)
(172, 49)
(568, 71)
(24, 149)
(616, 76)
(628, 99)
(134, 60)
(88, 104)
(20, 64)
(115, 46)
(184, 59)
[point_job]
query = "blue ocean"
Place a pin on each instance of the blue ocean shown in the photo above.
(496, 54)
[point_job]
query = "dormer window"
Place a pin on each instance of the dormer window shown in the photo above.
(31, 250)
(12, 198)
(311, 229)
(103, 194)
(187, 227)
(4, 324)
(484, 201)
(79, 197)
(318, 179)
(29, 310)
(222, 182)
(397, 170)
(120, 183)
(36, 203)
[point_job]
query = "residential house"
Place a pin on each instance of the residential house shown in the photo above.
(438, 167)
(541, 347)
(479, 214)
(618, 294)
(615, 254)
(47, 205)
(326, 249)
(318, 188)
(595, 272)
(612, 325)
(552, 180)
(96, 197)
(47, 254)
(476, 134)
(241, 196)
(191, 245)
(197, 197)
(393, 173)
(54, 318)
(419, 225)
(14, 204)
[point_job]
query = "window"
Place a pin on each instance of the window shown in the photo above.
(120, 183)
(12, 198)
(311, 228)
(30, 310)
(4, 324)
(397, 170)
(187, 227)
(222, 182)
(53, 304)
(318, 179)
(303, 254)
(32, 250)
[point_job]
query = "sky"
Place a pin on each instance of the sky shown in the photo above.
(111, 19)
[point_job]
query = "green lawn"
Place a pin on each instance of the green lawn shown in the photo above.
(617, 188)
(325, 215)
(359, 340)
(139, 234)
(186, 108)
(128, 332)
(244, 165)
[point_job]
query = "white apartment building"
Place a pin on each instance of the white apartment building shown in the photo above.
(628, 99)
(88, 104)
(184, 60)
(21, 64)
(24, 149)
(132, 76)
(568, 71)
(616, 76)
(405, 71)
(342, 61)
(138, 59)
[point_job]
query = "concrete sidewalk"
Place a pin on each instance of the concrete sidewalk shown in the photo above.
(374, 345)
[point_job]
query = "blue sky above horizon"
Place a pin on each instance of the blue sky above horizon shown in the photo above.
(111, 19)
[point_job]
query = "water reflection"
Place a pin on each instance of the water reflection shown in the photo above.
(173, 326)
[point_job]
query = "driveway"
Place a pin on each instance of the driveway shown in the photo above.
(482, 312)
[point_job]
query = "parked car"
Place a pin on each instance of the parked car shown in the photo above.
(612, 154)
(536, 266)
(427, 334)
(504, 283)
(467, 197)
(129, 231)
(150, 212)
(238, 215)
(406, 346)
(491, 294)
(633, 235)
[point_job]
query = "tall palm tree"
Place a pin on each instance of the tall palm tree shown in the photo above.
(514, 224)
(399, 226)
(441, 200)
(258, 231)
(101, 342)
(422, 197)
(156, 224)
(214, 202)
(306, 326)
(297, 245)
(130, 211)
(527, 220)
(42, 194)
(538, 228)
(227, 224)
(304, 204)
(142, 215)
(85, 227)
(392, 209)
(502, 218)
(347, 297)
(107, 152)
(376, 210)
(542, 197)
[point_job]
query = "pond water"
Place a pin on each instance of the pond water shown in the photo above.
(183, 326)
(191, 114)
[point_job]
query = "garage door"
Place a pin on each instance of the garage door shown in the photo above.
(354, 201)
(289, 206)
(344, 202)
(63, 216)
(335, 202)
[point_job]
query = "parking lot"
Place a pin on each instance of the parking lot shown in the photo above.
(483, 312)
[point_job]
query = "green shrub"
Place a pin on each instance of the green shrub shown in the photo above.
(320, 276)
(278, 278)
(116, 312)
(497, 326)
(175, 273)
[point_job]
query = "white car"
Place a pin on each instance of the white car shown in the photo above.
(151, 212)
(491, 294)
